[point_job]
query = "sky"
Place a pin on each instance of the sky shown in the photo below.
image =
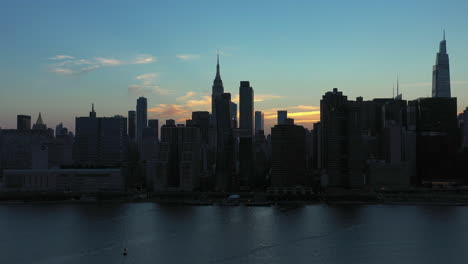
(58, 57)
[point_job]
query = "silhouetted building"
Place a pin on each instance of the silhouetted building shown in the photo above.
(437, 137)
(333, 138)
(23, 122)
(39, 123)
(288, 164)
(217, 90)
(179, 164)
(246, 159)
(24, 149)
(170, 123)
(282, 116)
(465, 128)
(441, 72)
(100, 141)
(259, 122)
(60, 130)
(225, 145)
(234, 115)
(154, 125)
(202, 120)
(64, 180)
(142, 116)
(131, 125)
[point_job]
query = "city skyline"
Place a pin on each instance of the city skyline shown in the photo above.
(61, 80)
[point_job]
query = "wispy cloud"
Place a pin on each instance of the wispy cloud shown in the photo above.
(186, 57)
(147, 86)
(62, 71)
(188, 103)
(61, 57)
(144, 59)
(108, 61)
(66, 64)
(186, 96)
(259, 97)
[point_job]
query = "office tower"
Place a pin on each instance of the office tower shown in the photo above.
(154, 124)
(282, 115)
(465, 128)
(23, 122)
(60, 130)
(141, 118)
(246, 161)
(131, 124)
(437, 138)
(289, 121)
(100, 141)
(39, 123)
(261, 160)
(246, 101)
(217, 90)
(259, 121)
(316, 163)
(333, 140)
(178, 165)
(441, 72)
(202, 120)
(225, 144)
(170, 123)
(24, 149)
(234, 115)
(288, 164)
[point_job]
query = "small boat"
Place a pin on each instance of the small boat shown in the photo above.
(124, 252)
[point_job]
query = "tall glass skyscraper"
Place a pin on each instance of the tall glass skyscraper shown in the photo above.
(142, 116)
(441, 72)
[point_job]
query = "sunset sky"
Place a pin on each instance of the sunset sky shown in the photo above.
(58, 57)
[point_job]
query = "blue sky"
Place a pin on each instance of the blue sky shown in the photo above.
(57, 57)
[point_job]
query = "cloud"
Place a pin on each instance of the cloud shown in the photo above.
(147, 76)
(186, 57)
(140, 90)
(62, 71)
(107, 61)
(61, 57)
(144, 59)
(258, 97)
(147, 86)
(186, 96)
(71, 65)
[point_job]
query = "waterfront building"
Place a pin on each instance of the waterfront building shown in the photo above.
(288, 164)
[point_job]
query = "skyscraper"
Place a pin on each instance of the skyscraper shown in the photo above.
(23, 122)
(246, 164)
(217, 90)
(39, 123)
(141, 111)
(246, 102)
(288, 165)
(100, 141)
(259, 121)
(225, 144)
(131, 124)
(441, 72)
(154, 125)
(282, 116)
(202, 120)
